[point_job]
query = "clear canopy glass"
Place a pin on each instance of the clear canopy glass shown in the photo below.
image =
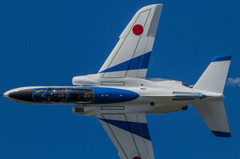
(63, 95)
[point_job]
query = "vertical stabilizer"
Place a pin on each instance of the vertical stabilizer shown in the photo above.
(214, 77)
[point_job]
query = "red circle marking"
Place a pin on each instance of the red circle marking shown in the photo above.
(137, 157)
(137, 30)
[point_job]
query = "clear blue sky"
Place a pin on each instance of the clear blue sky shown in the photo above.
(48, 42)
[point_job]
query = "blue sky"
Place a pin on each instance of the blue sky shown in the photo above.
(48, 42)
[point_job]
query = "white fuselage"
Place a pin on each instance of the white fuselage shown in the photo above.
(153, 97)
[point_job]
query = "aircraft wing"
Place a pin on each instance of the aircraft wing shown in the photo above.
(131, 55)
(130, 135)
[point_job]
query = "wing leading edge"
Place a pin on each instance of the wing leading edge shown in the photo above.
(130, 135)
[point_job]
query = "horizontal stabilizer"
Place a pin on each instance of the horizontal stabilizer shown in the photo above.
(214, 115)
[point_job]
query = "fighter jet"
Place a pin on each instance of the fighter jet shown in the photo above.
(120, 95)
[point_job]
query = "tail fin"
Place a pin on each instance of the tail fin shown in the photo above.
(213, 80)
(214, 115)
(131, 55)
(214, 77)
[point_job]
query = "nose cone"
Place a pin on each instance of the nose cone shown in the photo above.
(19, 94)
(6, 94)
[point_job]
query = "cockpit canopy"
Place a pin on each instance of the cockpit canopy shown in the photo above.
(63, 95)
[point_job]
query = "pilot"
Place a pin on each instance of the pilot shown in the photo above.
(50, 97)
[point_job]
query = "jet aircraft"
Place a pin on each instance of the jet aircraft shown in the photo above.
(119, 95)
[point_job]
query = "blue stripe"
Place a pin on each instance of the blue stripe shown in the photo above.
(44, 94)
(221, 134)
(145, 60)
(140, 129)
(67, 95)
(140, 62)
(193, 96)
(33, 95)
(222, 58)
(105, 95)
